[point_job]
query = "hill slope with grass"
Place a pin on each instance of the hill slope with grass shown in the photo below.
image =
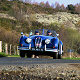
(24, 16)
(16, 17)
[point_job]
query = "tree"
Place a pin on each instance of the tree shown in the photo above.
(62, 7)
(77, 8)
(47, 5)
(57, 6)
(14, 0)
(42, 4)
(27, 1)
(52, 5)
(35, 3)
(3, 0)
(71, 8)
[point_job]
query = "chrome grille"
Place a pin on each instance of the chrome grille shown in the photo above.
(38, 42)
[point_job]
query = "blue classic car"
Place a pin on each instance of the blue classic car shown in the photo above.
(41, 42)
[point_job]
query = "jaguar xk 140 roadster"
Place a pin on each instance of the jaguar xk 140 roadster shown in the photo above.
(41, 42)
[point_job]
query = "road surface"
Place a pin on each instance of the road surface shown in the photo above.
(13, 68)
(27, 61)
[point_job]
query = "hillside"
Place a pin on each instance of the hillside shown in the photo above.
(25, 15)
(61, 18)
(16, 17)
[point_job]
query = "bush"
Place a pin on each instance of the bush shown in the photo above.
(8, 23)
(11, 37)
(71, 8)
(71, 39)
(3, 54)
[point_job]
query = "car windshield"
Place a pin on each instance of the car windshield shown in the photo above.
(42, 32)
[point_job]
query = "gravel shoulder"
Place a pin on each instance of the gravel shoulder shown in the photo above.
(54, 71)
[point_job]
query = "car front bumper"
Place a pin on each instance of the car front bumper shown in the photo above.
(38, 49)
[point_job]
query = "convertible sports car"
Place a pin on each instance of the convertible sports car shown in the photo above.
(41, 43)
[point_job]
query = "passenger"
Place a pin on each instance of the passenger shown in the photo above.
(36, 32)
(49, 33)
(22, 34)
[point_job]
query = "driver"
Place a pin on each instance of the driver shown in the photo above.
(36, 32)
(49, 33)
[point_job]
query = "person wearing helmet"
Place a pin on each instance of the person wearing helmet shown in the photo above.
(36, 32)
(22, 34)
(49, 33)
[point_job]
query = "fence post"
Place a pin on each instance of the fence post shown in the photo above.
(10, 48)
(0, 46)
(17, 51)
(6, 48)
(14, 50)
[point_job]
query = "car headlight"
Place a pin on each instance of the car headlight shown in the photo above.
(28, 40)
(47, 41)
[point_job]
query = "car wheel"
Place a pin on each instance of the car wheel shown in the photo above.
(59, 56)
(55, 56)
(60, 52)
(22, 53)
(29, 55)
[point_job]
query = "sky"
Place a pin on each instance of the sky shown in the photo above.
(65, 2)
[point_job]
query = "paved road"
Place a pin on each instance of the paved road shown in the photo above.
(27, 61)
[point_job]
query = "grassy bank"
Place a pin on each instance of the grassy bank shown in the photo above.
(13, 56)
(3, 54)
(73, 58)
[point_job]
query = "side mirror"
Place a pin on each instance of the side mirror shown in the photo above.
(57, 34)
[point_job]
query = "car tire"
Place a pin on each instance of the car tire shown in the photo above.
(59, 56)
(60, 51)
(55, 56)
(22, 53)
(29, 55)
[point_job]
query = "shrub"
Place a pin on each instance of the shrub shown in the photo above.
(11, 37)
(71, 39)
(71, 8)
(3, 55)
(8, 23)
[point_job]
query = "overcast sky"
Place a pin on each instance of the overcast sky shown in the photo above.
(65, 2)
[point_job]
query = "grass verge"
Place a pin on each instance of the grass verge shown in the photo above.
(13, 56)
(3, 54)
(72, 58)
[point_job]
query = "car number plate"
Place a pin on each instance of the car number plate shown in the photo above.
(33, 48)
(37, 49)
(41, 49)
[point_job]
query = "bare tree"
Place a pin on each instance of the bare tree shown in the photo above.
(57, 6)
(52, 5)
(47, 5)
(42, 4)
(3, 0)
(27, 1)
(77, 8)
